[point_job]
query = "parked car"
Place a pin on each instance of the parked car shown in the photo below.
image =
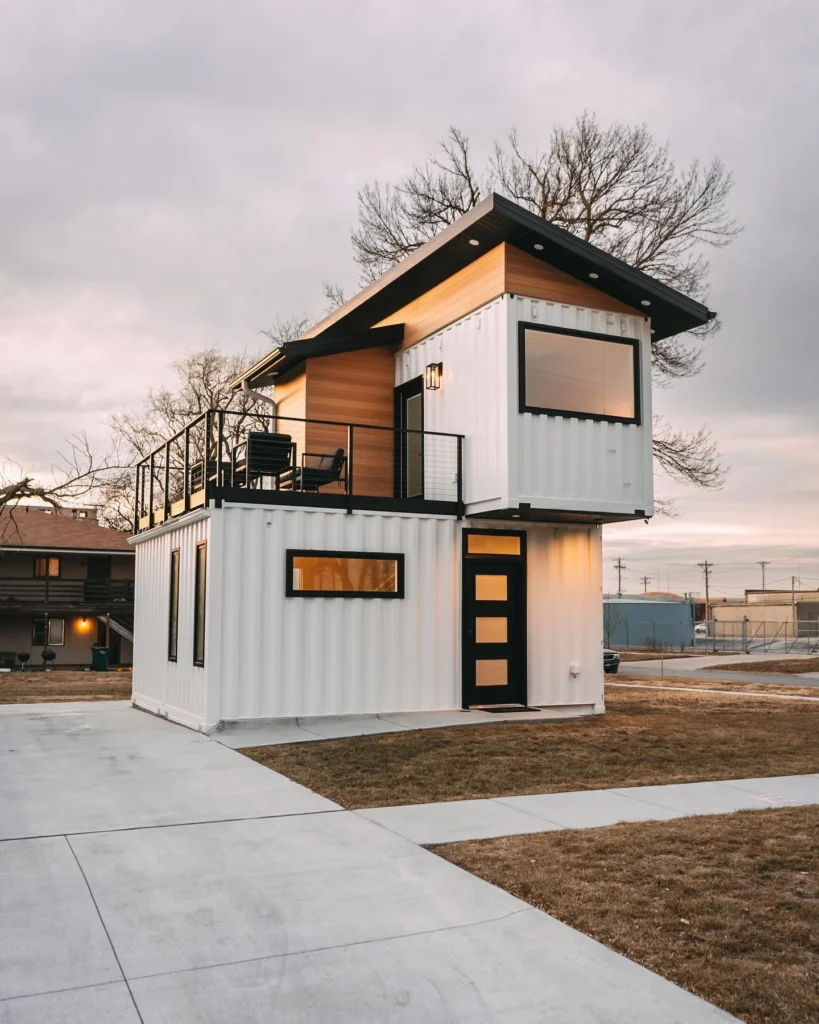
(611, 661)
(701, 629)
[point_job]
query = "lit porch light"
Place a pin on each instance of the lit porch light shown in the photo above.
(433, 376)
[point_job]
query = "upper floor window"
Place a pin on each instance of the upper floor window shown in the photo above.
(344, 574)
(572, 373)
(47, 565)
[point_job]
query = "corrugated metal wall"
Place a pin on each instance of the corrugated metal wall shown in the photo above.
(178, 688)
(271, 656)
(562, 462)
(472, 398)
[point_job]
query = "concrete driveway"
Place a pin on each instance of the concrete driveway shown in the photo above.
(150, 874)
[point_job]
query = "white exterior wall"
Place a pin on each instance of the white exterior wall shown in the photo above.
(270, 656)
(571, 464)
(176, 689)
(471, 400)
(559, 463)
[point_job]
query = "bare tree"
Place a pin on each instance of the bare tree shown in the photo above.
(73, 479)
(615, 187)
(203, 381)
(334, 294)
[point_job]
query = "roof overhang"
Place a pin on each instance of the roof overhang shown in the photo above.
(292, 353)
(495, 220)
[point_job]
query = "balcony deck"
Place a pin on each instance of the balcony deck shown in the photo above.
(81, 595)
(256, 458)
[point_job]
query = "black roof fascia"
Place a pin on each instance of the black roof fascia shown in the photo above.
(292, 353)
(495, 220)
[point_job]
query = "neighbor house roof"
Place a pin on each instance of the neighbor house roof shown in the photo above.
(30, 527)
(495, 220)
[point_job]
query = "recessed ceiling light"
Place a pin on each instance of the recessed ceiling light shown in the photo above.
(653, 331)
(538, 246)
(474, 241)
(593, 276)
(644, 302)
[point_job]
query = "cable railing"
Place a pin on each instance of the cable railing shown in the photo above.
(255, 457)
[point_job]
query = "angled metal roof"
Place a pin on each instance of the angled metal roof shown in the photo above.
(495, 220)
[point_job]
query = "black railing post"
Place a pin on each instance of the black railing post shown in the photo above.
(206, 456)
(151, 492)
(186, 483)
(349, 474)
(220, 451)
(137, 497)
(167, 482)
(460, 477)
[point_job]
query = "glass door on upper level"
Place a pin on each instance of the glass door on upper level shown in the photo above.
(409, 439)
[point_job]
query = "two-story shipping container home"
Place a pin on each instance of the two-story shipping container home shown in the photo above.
(66, 584)
(414, 521)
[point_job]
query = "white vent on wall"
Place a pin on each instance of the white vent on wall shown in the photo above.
(574, 670)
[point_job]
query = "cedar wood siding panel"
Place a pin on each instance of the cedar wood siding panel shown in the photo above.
(470, 288)
(528, 276)
(355, 387)
(291, 400)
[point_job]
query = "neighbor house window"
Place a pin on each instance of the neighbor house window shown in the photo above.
(344, 574)
(199, 604)
(173, 607)
(46, 565)
(572, 373)
(51, 634)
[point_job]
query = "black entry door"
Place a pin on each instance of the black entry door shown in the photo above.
(409, 439)
(494, 630)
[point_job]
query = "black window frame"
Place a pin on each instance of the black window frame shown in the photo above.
(200, 606)
(47, 575)
(292, 553)
(520, 534)
(173, 606)
(523, 327)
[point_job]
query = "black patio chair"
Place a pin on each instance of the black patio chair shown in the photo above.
(259, 455)
(316, 470)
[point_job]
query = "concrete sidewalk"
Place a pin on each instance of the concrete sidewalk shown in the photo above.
(150, 874)
(708, 667)
(459, 820)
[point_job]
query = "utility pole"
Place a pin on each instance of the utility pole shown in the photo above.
(763, 564)
(706, 568)
(619, 565)
(646, 580)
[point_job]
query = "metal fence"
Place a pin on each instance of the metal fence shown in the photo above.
(650, 635)
(747, 637)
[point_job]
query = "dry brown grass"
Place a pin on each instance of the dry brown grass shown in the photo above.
(45, 687)
(789, 666)
(645, 738)
(723, 685)
(724, 905)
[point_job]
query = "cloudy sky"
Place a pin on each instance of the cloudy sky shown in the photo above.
(178, 173)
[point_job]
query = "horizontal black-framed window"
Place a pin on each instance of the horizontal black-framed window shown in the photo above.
(47, 565)
(199, 591)
(344, 574)
(578, 374)
(494, 543)
(173, 607)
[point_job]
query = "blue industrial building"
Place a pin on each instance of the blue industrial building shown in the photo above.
(651, 620)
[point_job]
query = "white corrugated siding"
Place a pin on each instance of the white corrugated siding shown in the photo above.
(271, 656)
(471, 400)
(578, 464)
(177, 688)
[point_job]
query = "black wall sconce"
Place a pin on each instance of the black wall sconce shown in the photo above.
(432, 376)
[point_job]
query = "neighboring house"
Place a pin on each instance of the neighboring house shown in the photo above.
(648, 620)
(770, 613)
(417, 525)
(66, 583)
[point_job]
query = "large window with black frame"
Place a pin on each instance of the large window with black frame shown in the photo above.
(573, 373)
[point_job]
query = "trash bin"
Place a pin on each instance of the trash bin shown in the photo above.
(99, 659)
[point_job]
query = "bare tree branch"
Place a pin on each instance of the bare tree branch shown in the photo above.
(334, 294)
(692, 458)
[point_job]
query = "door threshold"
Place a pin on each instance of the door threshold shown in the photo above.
(498, 709)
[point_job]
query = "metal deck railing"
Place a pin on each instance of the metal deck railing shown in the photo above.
(261, 458)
